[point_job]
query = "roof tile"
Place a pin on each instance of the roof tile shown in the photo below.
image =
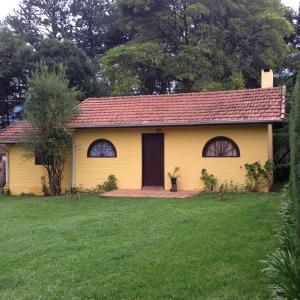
(182, 109)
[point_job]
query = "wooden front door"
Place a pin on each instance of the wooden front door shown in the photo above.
(153, 159)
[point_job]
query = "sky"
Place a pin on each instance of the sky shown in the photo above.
(6, 6)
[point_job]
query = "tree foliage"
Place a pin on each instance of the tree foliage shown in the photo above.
(94, 26)
(134, 68)
(287, 76)
(295, 156)
(16, 61)
(79, 69)
(207, 45)
(50, 105)
(199, 44)
(90, 24)
(36, 19)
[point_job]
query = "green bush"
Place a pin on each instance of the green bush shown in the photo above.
(281, 266)
(229, 188)
(109, 185)
(210, 182)
(45, 189)
(6, 190)
(258, 176)
(27, 194)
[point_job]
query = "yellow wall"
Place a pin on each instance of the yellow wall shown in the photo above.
(25, 176)
(252, 142)
(183, 148)
(127, 166)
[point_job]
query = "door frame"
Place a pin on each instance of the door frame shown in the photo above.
(163, 158)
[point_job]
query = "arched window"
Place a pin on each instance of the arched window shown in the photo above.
(221, 146)
(102, 148)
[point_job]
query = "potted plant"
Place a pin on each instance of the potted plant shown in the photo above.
(173, 176)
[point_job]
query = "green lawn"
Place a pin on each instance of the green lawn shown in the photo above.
(95, 248)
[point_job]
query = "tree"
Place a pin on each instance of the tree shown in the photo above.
(133, 68)
(91, 24)
(95, 27)
(16, 61)
(287, 77)
(50, 105)
(36, 19)
(206, 45)
(79, 70)
(295, 158)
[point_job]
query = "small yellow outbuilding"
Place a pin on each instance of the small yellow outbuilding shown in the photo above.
(139, 139)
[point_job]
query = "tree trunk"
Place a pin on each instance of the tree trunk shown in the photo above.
(55, 173)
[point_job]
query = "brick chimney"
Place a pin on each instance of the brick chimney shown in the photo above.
(266, 78)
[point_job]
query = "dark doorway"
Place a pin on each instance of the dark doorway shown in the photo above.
(153, 159)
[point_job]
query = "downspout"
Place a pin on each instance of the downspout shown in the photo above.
(73, 164)
(7, 168)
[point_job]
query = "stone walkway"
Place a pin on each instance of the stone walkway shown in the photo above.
(150, 194)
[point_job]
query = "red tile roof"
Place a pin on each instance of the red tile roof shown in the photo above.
(255, 105)
(12, 133)
(225, 107)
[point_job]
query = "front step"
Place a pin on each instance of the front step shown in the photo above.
(152, 188)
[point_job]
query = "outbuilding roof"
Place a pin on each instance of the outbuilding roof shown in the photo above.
(204, 108)
(239, 106)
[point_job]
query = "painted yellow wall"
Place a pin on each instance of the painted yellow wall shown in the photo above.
(183, 147)
(252, 142)
(127, 166)
(25, 176)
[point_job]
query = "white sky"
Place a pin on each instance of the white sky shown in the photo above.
(6, 6)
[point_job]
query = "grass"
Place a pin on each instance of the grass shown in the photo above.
(95, 248)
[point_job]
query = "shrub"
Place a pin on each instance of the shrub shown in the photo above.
(230, 187)
(258, 176)
(281, 266)
(210, 182)
(109, 185)
(6, 190)
(27, 194)
(45, 189)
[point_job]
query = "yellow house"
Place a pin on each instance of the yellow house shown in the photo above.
(139, 139)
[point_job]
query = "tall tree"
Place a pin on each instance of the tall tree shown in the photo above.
(80, 71)
(295, 158)
(36, 19)
(287, 77)
(91, 24)
(207, 44)
(50, 105)
(95, 27)
(16, 61)
(134, 68)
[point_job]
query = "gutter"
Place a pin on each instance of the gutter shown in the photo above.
(8, 142)
(206, 123)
